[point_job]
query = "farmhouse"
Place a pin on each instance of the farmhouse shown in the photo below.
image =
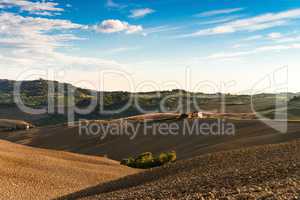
(197, 114)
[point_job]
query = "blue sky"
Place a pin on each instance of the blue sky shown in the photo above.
(205, 45)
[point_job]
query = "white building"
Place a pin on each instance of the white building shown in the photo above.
(200, 114)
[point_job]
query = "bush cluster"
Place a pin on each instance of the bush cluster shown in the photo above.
(148, 160)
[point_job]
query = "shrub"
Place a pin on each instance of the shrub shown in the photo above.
(124, 162)
(172, 156)
(163, 158)
(147, 160)
(128, 161)
(144, 160)
(145, 156)
(167, 157)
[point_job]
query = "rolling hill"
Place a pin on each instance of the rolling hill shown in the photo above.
(250, 162)
(265, 172)
(62, 137)
(31, 173)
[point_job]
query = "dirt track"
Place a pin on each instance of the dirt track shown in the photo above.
(30, 173)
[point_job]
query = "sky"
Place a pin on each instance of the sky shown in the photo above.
(198, 45)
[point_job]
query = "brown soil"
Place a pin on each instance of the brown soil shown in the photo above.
(269, 172)
(248, 133)
(32, 173)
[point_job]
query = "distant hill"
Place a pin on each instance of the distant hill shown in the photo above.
(292, 110)
(35, 94)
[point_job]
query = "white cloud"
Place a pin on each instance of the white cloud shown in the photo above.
(286, 39)
(119, 50)
(263, 49)
(220, 20)
(33, 33)
(137, 13)
(112, 4)
(254, 37)
(53, 59)
(159, 29)
(46, 13)
(219, 12)
(114, 26)
(274, 35)
(35, 42)
(250, 24)
(11, 24)
(37, 8)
